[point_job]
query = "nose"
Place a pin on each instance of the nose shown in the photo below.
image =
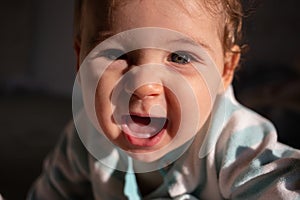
(144, 82)
(148, 90)
(145, 79)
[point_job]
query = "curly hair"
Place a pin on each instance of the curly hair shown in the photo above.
(232, 11)
(233, 23)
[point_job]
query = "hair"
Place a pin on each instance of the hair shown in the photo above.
(231, 30)
(234, 14)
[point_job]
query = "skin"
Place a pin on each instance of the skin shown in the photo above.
(201, 27)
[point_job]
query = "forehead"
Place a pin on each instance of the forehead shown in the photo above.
(105, 10)
(189, 17)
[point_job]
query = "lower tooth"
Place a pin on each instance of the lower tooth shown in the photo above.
(142, 135)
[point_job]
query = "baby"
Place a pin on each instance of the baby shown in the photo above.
(154, 111)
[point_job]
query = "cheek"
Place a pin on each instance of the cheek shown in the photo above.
(104, 91)
(106, 85)
(102, 96)
(173, 106)
(205, 102)
(204, 98)
(102, 103)
(104, 106)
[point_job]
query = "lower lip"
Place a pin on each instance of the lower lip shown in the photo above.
(146, 142)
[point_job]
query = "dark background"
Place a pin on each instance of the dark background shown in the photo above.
(37, 73)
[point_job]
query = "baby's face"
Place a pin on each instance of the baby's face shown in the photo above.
(151, 78)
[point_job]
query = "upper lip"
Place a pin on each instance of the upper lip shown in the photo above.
(139, 114)
(146, 115)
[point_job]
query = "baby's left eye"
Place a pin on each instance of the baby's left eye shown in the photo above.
(180, 57)
(113, 54)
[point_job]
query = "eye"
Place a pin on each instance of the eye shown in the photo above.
(180, 57)
(114, 54)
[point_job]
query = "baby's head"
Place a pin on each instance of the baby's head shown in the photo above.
(228, 13)
(156, 90)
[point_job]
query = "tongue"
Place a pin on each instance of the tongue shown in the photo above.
(144, 127)
(143, 121)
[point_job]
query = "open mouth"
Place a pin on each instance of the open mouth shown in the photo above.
(144, 131)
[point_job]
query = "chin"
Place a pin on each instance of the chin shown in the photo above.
(147, 157)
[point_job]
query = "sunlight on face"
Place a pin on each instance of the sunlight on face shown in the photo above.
(154, 81)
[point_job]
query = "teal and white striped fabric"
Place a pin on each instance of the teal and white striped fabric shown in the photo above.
(239, 158)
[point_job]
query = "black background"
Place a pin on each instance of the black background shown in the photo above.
(37, 72)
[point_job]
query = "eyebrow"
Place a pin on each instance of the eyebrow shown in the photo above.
(194, 42)
(103, 35)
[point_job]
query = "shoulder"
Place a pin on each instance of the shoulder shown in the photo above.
(247, 133)
(250, 161)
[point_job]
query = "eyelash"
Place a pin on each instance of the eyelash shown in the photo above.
(185, 57)
(114, 54)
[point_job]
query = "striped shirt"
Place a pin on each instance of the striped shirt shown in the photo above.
(239, 158)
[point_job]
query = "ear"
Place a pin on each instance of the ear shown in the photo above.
(76, 46)
(231, 61)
